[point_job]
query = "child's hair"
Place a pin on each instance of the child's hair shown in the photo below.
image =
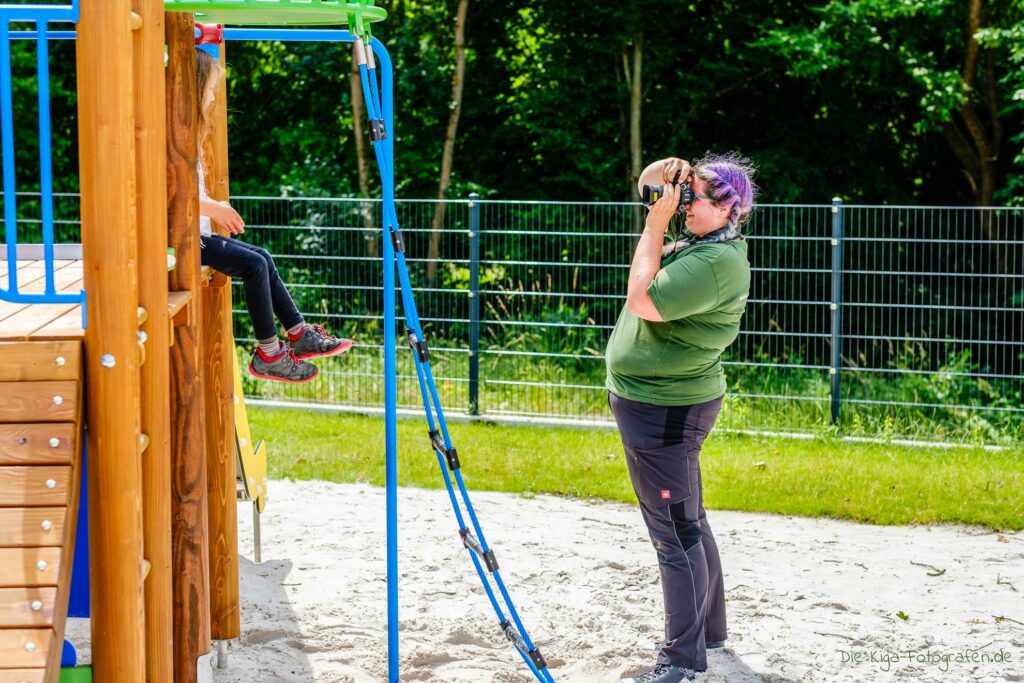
(729, 182)
(207, 68)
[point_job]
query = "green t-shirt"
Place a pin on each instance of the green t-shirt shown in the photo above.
(700, 293)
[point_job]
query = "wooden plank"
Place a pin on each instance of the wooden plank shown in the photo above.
(29, 566)
(219, 385)
(32, 527)
(25, 648)
(34, 485)
(191, 565)
(176, 303)
(25, 607)
(37, 283)
(106, 135)
(155, 418)
(22, 675)
(40, 361)
(37, 443)
(38, 401)
(67, 326)
(24, 323)
(218, 394)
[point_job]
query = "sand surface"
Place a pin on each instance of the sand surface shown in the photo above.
(808, 600)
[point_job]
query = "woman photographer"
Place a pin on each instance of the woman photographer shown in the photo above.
(665, 384)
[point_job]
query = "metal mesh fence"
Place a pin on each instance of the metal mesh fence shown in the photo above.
(894, 321)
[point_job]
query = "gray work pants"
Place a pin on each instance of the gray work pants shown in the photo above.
(662, 445)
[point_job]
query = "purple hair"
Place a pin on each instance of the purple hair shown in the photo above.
(728, 177)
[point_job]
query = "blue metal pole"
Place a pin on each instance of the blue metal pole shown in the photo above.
(7, 142)
(390, 390)
(45, 157)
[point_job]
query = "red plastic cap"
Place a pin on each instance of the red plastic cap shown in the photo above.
(209, 34)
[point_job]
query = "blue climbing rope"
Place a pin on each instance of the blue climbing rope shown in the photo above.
(472, 535)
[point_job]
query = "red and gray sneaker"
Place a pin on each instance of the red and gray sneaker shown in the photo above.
(314, 342)
(284, 367)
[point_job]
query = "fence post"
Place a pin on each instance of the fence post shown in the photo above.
(836, 305)
(474, 304)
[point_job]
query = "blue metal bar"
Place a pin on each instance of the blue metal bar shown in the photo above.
(11, 13)
(7, 149)
(45, 155)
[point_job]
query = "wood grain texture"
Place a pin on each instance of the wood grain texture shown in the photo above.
(29, 566)
(155, 418)
(190, 553)
(39, 361)
(106, 132)
(38, 401)
(37, 443)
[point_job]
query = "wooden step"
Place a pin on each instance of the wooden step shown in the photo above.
(29, 566)
(37, 443)
(39, 401)
(34, 485)
(40, 361)
(27, 607)
(22, 675)
(32, 527)
(26, 647)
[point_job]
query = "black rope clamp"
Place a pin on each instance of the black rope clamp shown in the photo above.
(469, 540)
(377, 131)
(419, 346)
(513, 635)
(397, 242)
(450, 454)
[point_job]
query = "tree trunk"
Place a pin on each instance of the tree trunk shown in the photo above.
(359, 124)
(632, 70)
(976, 148)
(449, 139)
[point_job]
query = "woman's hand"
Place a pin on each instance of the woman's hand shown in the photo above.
(663, 210)
(226, 217)
(674, 169)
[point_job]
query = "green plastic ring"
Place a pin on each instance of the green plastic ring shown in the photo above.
(281, 12)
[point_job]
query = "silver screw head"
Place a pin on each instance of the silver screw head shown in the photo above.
(41, 565)
(30, 647)
(46, 525)
(51, 484)
(54, 442)
(59, 361)
(36, 605)
(108, 360)
(57, 400)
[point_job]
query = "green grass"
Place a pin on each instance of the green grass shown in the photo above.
(878, 483)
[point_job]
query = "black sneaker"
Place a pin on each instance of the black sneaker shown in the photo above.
(284, 367)
(663, 673)
(314, 342)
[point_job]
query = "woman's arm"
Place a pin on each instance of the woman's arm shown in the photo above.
(223, 215)
(647, 258)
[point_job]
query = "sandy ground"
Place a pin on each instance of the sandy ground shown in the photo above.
(808, 600)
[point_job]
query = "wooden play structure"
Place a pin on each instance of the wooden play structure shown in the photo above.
(143, 395)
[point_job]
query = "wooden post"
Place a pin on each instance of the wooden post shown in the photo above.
(190, 553)
(218, 390)
(107, 175)
(151, 205)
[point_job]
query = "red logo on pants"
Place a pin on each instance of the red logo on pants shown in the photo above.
(665, 494)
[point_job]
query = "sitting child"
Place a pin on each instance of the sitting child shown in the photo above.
(265, 293)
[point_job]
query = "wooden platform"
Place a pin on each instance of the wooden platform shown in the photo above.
(42, 322)
(39, 322)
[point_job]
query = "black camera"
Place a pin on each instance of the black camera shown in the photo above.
(652, 193)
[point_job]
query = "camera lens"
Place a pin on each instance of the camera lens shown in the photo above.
(652, 193)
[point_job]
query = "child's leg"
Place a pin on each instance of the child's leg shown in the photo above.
(284, 307)
(233, 259)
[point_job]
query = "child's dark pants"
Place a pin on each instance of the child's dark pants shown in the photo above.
(265, 294)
